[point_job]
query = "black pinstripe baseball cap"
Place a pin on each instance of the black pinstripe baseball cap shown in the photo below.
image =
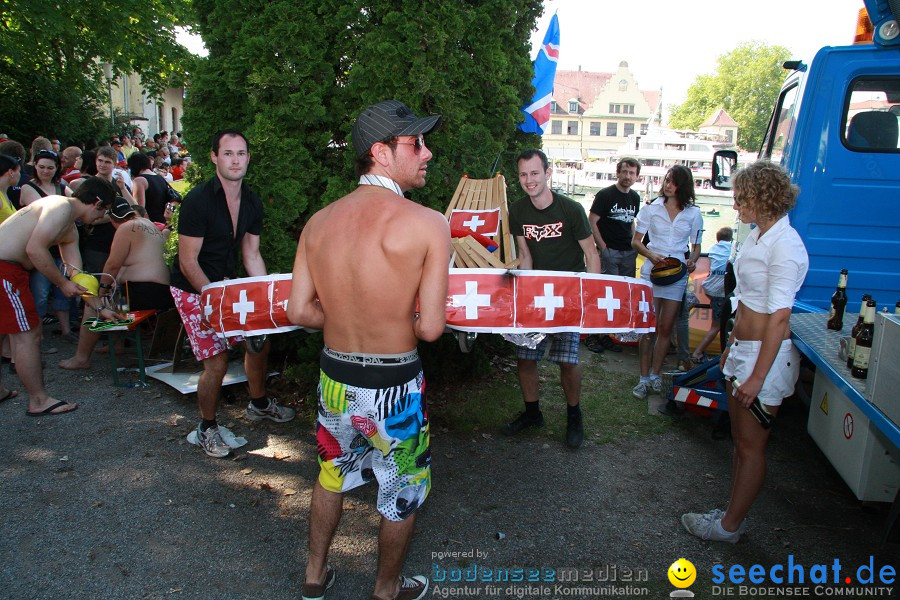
(387, 119)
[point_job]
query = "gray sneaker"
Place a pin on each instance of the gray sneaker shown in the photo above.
(718, 513)
(641, 390)
(706, 527)
(273, 412)
(656, 385)
(211, 442)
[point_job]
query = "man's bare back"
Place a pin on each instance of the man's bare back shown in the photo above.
(369, 256)
(137, 252)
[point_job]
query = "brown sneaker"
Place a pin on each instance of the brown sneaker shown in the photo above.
(411, 588)
(316, 591)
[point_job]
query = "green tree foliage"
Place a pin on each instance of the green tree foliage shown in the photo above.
(293, 75)
(745, 84)
(50, 70)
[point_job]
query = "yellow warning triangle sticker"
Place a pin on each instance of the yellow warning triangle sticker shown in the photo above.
(824, 404)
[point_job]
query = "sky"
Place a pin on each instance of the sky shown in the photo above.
(668, 44)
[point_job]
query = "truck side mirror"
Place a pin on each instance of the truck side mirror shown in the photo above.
(723, 167)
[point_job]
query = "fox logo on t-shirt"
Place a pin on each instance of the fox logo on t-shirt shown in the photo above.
(540, 232)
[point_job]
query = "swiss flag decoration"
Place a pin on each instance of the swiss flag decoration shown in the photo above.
(479, 300)
(547, 301)
(643, 317)
(210, 305)
(484, 222)
(281, 291)
(607, 305)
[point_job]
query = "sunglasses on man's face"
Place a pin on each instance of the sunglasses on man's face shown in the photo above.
(417, 143)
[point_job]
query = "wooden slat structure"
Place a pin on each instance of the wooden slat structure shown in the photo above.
(483, 194)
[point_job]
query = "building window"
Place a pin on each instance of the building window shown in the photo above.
(595, 128)
(729, 135)
(573, 106)
(643, 129)
(556, 127)
(623, 85)
(612, 129)
(572, 128)
(628, 129)
(174, 119)
(553, 107)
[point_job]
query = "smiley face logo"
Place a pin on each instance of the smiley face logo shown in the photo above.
(682, 573)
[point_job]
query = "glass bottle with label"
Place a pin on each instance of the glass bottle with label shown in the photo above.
(855, 331)
(838, 303)
(864, 341)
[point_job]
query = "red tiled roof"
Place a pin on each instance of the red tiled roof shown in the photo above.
(720, 118)
(586, 86)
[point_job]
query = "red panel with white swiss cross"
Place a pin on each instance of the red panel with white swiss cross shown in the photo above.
(643, 318)
(548, 302)
(607, 304)
(210, 303)
(480, 299)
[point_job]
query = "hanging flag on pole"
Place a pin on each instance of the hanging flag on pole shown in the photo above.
(537, 112)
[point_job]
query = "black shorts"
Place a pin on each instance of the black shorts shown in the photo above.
(146, 295)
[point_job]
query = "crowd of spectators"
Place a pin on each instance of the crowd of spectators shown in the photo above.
(48, 168)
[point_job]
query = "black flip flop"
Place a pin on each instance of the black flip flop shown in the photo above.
(9, 394)
(48, 412)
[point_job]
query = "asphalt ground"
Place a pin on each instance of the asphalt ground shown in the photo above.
(112, 502)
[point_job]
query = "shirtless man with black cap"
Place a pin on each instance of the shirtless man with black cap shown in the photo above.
(373, 420)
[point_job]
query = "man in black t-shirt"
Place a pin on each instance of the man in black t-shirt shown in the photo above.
(218, 218)
(552, 234)
(612, 220)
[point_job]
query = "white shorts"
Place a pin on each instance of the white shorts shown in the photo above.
(782, 376)
(669, 292)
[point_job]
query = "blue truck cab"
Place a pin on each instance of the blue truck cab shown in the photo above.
(835, 129)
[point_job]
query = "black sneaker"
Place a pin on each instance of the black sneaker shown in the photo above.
(609, 344)
(574, 431)
(593, 343)
(523, 421)
(671, 409)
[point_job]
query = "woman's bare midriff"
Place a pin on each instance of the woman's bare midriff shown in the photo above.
(751, 325)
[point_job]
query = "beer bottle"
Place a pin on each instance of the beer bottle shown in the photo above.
(864, 341)
(855, 331)
(757, 409)
(838, 303)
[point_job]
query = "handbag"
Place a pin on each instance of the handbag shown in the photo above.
(172, 195)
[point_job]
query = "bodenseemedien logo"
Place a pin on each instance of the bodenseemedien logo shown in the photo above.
(682, 574)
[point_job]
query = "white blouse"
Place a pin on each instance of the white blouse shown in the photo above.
(770, 269)
(670, 237)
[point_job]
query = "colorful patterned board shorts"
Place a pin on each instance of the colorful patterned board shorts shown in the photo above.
(205, 342)
(373, 424)
(563, 348)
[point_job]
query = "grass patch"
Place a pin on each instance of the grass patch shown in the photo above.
(610, 412)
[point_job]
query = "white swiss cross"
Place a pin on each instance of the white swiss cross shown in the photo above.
(474, 223)
(472, 300)
(609, 303)
(644, 306)
(207, 310)
(548, 302)
(242, 307)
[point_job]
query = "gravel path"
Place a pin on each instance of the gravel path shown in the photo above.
(111, 502)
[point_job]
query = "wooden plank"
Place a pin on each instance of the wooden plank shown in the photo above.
(463, 255)
(454, 201)
(486, 255)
